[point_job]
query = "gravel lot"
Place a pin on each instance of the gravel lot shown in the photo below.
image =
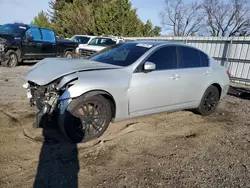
(178, 149)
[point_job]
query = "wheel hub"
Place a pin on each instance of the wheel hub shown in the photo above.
(210, 101)
(93, 117)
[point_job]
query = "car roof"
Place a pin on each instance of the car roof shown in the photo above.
(152, 42)
(18, 24)
(157, 43)
(84, 35)
(106, 37)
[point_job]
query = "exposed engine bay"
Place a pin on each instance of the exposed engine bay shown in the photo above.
(46, 98)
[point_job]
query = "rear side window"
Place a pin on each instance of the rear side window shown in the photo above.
(48, 35)
(164, 58)
(204, 60)
(191, 58)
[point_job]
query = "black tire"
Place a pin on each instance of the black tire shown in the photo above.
(72, 123)
(12, 59)
(68, 54)
(209, 101)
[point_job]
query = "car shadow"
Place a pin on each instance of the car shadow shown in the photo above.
(239, 92)
(58, 162)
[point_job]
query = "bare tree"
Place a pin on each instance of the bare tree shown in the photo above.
(182, 19)
(227, 19)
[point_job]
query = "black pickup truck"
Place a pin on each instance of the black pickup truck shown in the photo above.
(22, 42)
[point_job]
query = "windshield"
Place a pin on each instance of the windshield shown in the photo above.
(81, 39)
(123, 54)
(102, 42)
(12, 29)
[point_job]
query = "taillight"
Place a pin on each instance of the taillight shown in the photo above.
(228, 73)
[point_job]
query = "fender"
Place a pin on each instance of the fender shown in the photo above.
(66, 80)
(119, 96)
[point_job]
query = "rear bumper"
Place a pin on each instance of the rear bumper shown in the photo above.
(224, 91)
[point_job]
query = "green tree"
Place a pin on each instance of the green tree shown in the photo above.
(41, 20)
(151, 31)
(74, 18)
(57, 6)
(110, 17)
(118, 18)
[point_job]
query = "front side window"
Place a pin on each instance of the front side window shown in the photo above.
(35, 34)
(164, 58)
(191, 58)
(48, 35)
(123, 54)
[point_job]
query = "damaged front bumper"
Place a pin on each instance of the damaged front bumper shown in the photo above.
(47, 104)
(3, 56)
(44, 117)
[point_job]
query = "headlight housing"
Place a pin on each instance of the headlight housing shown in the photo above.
(77, 51)
(1, 47)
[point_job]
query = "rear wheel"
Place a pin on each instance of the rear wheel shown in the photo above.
(12, 60)
(86, 118)
(209, 101)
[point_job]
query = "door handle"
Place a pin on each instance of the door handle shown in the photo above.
(39, 44)
(207, 73)
(175, 77)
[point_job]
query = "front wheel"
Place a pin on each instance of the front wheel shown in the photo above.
(86, 118)
(12, 60)
(209, 101)
(68, 54)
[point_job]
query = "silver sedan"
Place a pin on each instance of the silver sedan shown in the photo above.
(124, 81)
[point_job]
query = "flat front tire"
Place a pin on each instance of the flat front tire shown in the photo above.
(209, 101)
(86, 118)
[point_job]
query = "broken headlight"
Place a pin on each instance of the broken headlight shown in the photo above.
(1, 47)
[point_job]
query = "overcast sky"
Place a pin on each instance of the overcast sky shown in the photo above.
(25, 10)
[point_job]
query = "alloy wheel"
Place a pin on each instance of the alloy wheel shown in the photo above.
(93, 117)
(210, 101)
(12, 60)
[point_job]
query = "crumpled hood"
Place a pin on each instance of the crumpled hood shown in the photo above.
(50, 69)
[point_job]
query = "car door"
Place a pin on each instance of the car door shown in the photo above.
(48, 48)
(31, 48)
(159, 90)
(193, 68)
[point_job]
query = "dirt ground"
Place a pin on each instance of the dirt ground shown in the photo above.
(178, 149)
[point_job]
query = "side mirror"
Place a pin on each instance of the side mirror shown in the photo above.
(149, 66)
(29, 38)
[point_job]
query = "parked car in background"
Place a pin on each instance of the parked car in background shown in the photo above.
(97, 44)
(124, 81)
(82, 39)
(22, 42)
